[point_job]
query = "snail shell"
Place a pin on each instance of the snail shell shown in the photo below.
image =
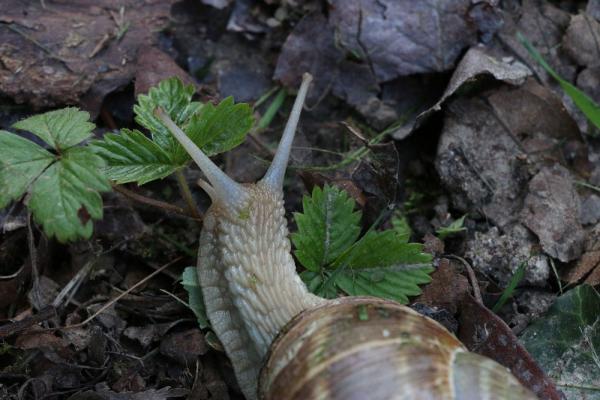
(368, 348)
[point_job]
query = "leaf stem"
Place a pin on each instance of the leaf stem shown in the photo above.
(185, 191)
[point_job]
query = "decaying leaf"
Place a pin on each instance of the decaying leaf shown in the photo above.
(485, 333)
(477, 64)
(446, 289)
(363, 44)
(403, 37)
(587, 268)
(551, 211)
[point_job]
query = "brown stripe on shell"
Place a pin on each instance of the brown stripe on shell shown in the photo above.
(357, 348)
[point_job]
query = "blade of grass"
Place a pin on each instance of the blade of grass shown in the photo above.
(271, 111)
(587, 106)
(512, 285)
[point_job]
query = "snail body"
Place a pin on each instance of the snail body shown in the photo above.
(314, 348)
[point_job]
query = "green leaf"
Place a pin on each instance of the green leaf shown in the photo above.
(587, 106)
(176, 99)
(320, 284)
(402, 228)
(452, 229)
(65, 197)
(512, 285)
(382, 265)
(271, 111)
(63, 188)
(132, 157)
(21, 163)
(61, 129)
(327, 227)
(221, 128)
(566, 342)
(189, 280)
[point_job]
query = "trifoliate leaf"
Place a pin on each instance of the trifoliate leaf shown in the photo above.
(132, 157)
(61, 129)
(65, 197)
(63, 188)
(379, 264)
(566, 342)
(221, 128)
(327, 227)
(189, 280)
(175, 99)
(22, 162)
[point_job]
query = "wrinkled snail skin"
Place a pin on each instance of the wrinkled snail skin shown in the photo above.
(348, 348)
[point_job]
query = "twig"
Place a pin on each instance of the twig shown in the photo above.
(150, 202)
(13, 275)
(19, 326)
(33, 260)
(120, 296)
(74, 283)
(101, 45)
(471, 275)
(184, 188)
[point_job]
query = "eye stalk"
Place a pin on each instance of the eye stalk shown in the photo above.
(222, 188)
(276, 172)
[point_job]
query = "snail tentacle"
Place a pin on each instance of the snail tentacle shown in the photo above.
(276, 172)
(224, 189)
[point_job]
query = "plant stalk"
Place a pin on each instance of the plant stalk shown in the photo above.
(185, 191)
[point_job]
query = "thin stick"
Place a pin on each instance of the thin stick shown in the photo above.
(19, 326)
(472, 277)
(120, 296)
(185, 191)
(150, 202)
(35, 273)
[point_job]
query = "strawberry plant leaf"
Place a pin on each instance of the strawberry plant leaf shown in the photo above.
(175, 99)
(379, 264)
(132, 157)
(65, 197)
(63, 187)
(401, 227)
(327, 227)
(189, 280)
(22, 162)
(216, 129)
(61, 129)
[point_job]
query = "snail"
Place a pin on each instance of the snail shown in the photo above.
(315, 348)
